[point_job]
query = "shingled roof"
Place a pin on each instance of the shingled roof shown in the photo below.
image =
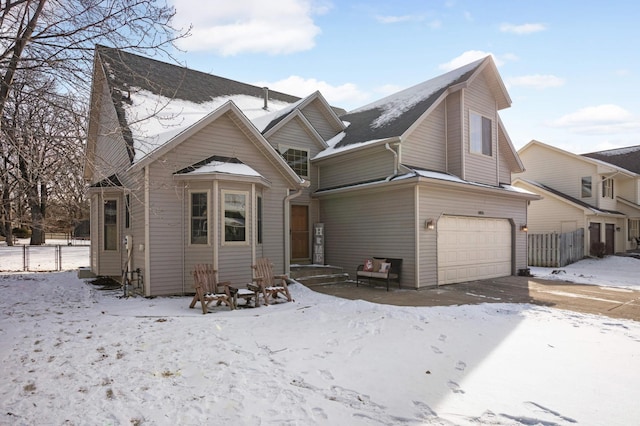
(627, 158)
(393, 115)
(192, 93)
(127, 70)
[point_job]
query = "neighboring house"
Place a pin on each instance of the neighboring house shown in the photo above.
(191, 167)
(598, 192)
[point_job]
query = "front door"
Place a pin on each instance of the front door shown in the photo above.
(594, 237)
(610, 234)
(299, 232)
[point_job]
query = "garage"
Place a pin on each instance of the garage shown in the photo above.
(473, 248)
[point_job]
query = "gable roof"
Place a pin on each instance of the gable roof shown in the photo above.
(153, 97)
(628, 158)
(567, 198)
(393, 115)
(605, 163)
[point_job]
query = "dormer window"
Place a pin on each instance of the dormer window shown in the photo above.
(297, 159)
(480, 134)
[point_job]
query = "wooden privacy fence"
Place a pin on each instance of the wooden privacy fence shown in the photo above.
(555, 250)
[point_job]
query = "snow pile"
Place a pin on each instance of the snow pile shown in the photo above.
(73, 354)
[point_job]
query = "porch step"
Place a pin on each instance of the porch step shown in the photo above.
(311, 275)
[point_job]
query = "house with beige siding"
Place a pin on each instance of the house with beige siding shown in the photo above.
(598, 192)
(185, 167)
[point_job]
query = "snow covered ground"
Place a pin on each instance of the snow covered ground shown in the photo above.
(73, 354)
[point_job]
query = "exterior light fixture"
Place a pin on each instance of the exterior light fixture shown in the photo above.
(430, 224)
(524, 228)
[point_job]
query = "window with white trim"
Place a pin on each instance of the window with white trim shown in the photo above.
(480, 130)
(259, 218)
(110, 218)
(297, 159)
(199, 218)
(607, 187)
(235, 216)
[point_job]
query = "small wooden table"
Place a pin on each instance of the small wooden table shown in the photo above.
(251, 292)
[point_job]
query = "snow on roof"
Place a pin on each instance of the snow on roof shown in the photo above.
(393, 106)
(334, 150)
(154, 119)
(261, 122)
(225, 167)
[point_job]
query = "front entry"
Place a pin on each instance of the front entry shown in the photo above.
(609, 235)
(594, 237)
(300, 232)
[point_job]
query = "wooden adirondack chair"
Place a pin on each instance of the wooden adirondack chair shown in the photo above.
(267, 283)
(208, 289)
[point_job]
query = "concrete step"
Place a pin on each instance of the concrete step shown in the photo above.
(318, 280)
(301, 271)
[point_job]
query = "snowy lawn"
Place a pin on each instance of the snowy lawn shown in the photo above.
(72, 354)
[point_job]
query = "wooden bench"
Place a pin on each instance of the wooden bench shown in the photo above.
(392, 273)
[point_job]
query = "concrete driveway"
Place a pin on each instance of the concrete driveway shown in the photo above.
(609, 301)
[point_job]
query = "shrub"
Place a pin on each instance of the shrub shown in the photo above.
(21, 232)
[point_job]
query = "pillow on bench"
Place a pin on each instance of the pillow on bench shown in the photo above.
(368, 265)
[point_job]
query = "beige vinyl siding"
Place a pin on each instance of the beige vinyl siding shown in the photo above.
(356, 167)
(295, 135)
(426, 146)
(373, 223)
(561, 172)
(316, 116)
(111, 150)
(479, 99)
(436, 201)
(548, 214)
(506, 163)
(454, 142)
(168, 222)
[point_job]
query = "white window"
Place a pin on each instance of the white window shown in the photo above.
(297, 159)
(634, 228)
(480, 134)
(586, 187)
(607, 187)
(234, 204)
(110, 218)
(199, 218)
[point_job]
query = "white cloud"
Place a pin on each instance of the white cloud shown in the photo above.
(600, 119)
(345, 95)
(522, 29)
(392, 19)
(536, 81)
(466, 58)
(233, 27)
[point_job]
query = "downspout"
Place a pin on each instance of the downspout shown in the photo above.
(395, 162)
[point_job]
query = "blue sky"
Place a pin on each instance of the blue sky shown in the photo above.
(572, 67)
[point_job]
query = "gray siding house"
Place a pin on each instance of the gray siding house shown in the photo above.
(186, 167)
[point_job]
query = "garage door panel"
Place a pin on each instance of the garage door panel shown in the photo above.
(473, 248)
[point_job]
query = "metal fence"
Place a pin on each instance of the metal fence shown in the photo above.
(555, 250)
(43, 258)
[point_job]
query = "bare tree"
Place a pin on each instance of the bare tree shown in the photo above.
(41, 122)
(57, 37)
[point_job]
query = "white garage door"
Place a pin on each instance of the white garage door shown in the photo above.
(471, 248)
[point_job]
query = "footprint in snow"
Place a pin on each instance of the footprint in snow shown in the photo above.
(443, 338)
(326, 374)
(461, 366)
(436, 350)
(454, 387)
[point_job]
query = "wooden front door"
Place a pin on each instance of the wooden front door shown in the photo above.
(299, 232)
(609, 235)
